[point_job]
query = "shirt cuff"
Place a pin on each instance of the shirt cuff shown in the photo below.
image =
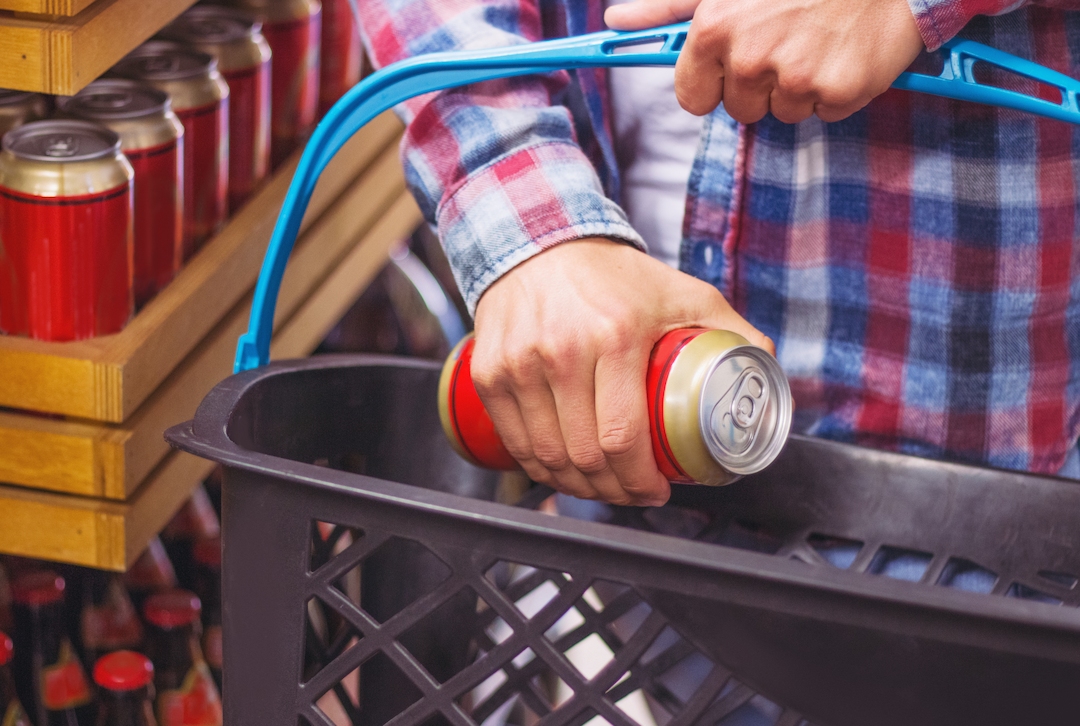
(519, 205)
(938, 20)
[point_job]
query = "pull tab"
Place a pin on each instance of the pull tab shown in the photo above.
(737, 415)
(110, 100)
(61, 146)
(155, 64)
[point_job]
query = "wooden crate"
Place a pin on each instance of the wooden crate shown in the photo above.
(108, 378)
(110, 534)
(57, 54)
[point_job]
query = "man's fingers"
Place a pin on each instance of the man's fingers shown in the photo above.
(546, 441)
(649, 13)
(622, 420)
(699, 73)
(575, 402)
(789, 109)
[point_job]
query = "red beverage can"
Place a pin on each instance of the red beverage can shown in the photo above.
(200, 99)
(341, 57)
(719, 408)
(243, 56)
(66, 226)
(292, 28)
(152, 139)
(21, 107)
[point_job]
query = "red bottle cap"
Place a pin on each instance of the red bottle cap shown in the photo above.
(207, 552)
(172, 609)
(6, 648)
(123, 670)
(43, 587)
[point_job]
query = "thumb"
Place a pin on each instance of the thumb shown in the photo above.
(717, 313)
(641, 14)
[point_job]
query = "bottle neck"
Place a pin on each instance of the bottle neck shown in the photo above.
(125, 708)
(173, 652)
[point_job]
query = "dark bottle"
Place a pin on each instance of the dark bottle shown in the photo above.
(11, 710)
(207, 553)
(49, 678)
(196, 520)
(186, 694)
(108, 620)
(152, 572)
(125, 689)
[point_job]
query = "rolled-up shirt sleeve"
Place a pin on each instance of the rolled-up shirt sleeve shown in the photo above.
(495, 166)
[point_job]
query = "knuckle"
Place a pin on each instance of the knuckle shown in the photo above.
(619, 437)
(552, 458)
(589, 460)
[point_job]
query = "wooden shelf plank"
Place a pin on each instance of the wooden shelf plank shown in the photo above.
(108, 378)
(110, 534)
(62, 54)
(46, 7)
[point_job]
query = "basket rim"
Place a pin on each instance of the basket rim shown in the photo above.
(958, 614)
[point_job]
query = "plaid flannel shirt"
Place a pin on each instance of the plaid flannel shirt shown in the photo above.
(916, 264)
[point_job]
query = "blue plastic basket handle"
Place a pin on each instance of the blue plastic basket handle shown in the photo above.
(655, 47)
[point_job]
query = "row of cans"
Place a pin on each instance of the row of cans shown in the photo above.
(102, 204)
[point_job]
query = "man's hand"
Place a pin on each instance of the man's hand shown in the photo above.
(794, 58)
(562, 346)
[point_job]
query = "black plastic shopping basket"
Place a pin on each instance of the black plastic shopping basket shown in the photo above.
(369, 577)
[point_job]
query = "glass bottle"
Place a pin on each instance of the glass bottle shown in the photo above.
(11, 710)
(125, 681)
(49, 677)
(186, 694)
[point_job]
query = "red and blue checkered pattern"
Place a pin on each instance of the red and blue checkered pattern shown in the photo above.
(917, 264)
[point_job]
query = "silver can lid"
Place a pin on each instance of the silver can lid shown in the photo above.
(163, 60)
(114, 99)
(211, 24)
(61, 141)
(10, 97)
(745, 411)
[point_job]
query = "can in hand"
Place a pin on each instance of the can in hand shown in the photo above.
(20, 107)
(235, 39)
(293, 29)
(66, 228)
(200, 99)
(719, 408)
(152, 139)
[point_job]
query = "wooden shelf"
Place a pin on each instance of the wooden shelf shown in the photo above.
(110, 534)
(46, 7)
(108, 378)
(56, 54)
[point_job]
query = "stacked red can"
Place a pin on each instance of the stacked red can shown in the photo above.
(341, 57)
(293, 29)
(66, 226)
(20, 107)
(151, 138)
(244, 59)
(200, 99)
(719, 408)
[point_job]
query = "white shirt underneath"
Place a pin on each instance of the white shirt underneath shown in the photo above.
(655, 141)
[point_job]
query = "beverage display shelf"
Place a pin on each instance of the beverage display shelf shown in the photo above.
(110, 534)
(74, 41)
(108, 378)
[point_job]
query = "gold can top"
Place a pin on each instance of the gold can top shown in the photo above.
(163, 60)
(116, 99)
(212, 24)
(60, 141)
